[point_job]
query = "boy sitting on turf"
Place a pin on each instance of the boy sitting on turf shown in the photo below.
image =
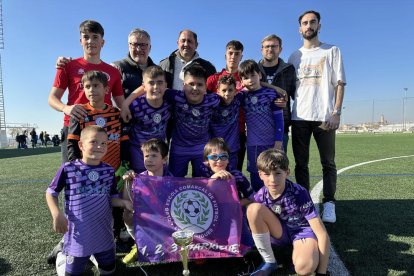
(225, 120)
(90, 188)
(155, 152)
(285, 211)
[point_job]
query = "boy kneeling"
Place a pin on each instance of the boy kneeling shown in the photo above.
(285, 211)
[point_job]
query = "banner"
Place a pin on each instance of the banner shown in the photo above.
(208, 207)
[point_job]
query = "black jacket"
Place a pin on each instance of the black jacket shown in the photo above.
(285, 78)
(131, 74)
(168, 63)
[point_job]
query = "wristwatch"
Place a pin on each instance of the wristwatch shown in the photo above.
(337, 112)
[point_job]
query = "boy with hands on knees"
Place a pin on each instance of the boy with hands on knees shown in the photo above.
(283, 214)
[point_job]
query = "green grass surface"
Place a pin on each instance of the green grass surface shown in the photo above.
(374, 233)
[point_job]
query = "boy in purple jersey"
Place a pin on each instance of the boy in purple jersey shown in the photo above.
(264, 119)
(90, 191)
(285, 211)
(150, 115)
(193, 109)
(216, 165)
(225, 120)
(155, 152)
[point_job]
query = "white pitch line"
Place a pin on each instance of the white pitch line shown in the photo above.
(336, 266)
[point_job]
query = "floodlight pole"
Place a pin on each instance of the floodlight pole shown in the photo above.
(405, 96)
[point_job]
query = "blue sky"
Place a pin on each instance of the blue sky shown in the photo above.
(375, 37)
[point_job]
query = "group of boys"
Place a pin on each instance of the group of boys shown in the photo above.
(196, 116)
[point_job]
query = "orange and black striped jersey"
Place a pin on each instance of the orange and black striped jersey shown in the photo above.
(109, 119)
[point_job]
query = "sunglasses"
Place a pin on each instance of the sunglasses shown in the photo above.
(217, 157)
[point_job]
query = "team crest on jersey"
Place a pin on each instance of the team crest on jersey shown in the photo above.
(81, 71)
(254, 100)
(195, 112)
(69, 259)
(78, 174)
(185, 106)
(192, 209)
(157, 118)
(100, 121)
(277, 209)
(225, 113)
(93, 176)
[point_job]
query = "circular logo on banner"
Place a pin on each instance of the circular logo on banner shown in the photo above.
(100, 122)
(93, 176)
(157, 118)
(193, 210)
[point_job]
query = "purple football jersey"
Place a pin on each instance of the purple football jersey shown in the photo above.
(88, 192)
(294, 206)
(264, 120)
(244, 189)
(191, 121)
(225, 122)
(148, 122)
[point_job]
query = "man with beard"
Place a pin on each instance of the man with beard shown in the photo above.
(317, 106)
(278, 73)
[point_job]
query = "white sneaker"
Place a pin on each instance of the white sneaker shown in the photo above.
(329, 212)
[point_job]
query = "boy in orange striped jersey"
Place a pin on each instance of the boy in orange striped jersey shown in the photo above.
(95, 85)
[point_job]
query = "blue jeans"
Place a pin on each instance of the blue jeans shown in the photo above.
(325, 140)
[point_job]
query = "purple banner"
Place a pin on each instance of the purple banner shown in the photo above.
(208, 207)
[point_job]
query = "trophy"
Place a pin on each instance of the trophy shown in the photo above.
(183, 238)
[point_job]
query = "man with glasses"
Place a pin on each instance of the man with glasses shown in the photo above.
(137, 60)
(278, 73)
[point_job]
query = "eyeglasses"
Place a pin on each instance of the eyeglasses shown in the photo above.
(270, 46)
(217, 157)
(139, 45)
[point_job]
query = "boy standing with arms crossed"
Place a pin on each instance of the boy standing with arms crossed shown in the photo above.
(90, 188)
(284, 210)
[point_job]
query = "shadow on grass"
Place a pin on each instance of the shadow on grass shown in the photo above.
(10, 153)
(212, 267)
(375, 237)
(4, 266)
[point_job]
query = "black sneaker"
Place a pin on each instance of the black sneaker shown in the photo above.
(51, 258)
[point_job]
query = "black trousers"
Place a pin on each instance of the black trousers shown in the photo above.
(325, 140)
